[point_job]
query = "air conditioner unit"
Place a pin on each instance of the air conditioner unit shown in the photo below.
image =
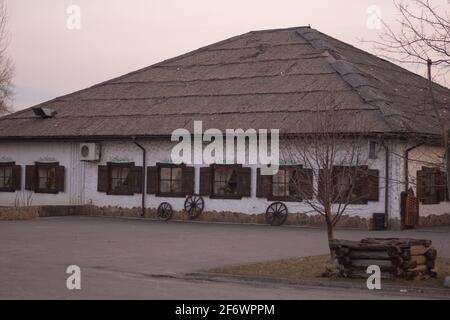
(90, 152)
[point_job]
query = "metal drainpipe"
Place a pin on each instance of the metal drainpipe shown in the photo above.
(386, 186)
(406, 165)
(144, 165)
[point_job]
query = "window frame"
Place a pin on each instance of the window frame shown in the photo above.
(46, 165)
(289, 198)
(8, 165)
(180, 194)
(121, 165)
(236, 167)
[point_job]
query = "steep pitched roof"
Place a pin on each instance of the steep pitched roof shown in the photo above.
(261, 79)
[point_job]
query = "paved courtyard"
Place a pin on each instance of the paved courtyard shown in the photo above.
(142, 259)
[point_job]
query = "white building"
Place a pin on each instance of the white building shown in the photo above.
(272, 79)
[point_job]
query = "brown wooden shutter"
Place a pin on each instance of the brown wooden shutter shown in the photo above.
(360, 180)
(373, 185)
(189, 180)
(17, 178)
(305, 177)
(441, 180)
(152, 180)
(420, 185)
(205, 181)
(30, 178)
(245, 182)
(263, 185)
(137, 179)
(60, 178)
(321, 185)
(102, 179)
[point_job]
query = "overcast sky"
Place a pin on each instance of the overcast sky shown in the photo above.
(119, 36)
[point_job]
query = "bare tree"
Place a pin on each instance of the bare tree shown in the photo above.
(421, 36)
(6, 66)
(334, 175)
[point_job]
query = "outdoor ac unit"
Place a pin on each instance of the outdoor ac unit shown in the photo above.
(89, 152)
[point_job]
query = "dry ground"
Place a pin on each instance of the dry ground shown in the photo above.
(311, 268)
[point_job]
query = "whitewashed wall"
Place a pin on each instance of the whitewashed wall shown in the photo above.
(27, 153)
(419, 157)
(81, 178)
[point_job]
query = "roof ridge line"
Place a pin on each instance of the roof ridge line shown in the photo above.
(357, 79)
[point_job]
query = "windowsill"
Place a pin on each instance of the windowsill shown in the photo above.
(111, 193)
(284, 199)
(225, 197)
(45, 191)
(171, 195)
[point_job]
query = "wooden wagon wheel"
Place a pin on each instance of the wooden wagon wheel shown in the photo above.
(194, 206)
(165, 211)
(276, 214)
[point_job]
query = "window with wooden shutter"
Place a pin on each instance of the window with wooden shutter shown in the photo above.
(225, 182)
(121, 178)
(152, 180)
(46, 177)
(245, 182)
(431, 185)
(174, 180)
(205, 181)
(286, 184)
(10, 177)
(350, 184)
(263, 184)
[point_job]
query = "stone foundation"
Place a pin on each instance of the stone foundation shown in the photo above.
(294, 219)
(20, 213)
(435, 220)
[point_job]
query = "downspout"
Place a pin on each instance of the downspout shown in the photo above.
(406, 165)
(386, 186)
(144, 165)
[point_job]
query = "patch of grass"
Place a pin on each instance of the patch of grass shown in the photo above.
(312, 267)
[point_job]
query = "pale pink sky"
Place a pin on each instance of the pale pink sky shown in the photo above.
(119, 36)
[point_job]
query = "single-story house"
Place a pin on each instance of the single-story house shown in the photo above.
(97, 149)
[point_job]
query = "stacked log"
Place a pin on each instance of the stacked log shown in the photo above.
(397, 258)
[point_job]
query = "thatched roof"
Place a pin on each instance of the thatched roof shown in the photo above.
(261, 79)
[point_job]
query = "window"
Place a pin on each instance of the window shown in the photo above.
(431, 185)
(5, 177)
(284, 184)
(10, 177)
(222, 181)
(120, 179)
(355, 184)
(170, 180)
(225, 181)
(45, 177)
(290, 183)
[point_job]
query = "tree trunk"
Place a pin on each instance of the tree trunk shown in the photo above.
(330, 231)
